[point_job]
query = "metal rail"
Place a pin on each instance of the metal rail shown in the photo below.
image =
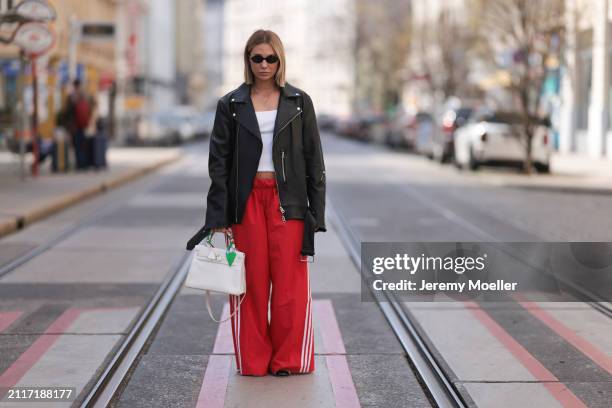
(439, 386)
(116, 371)
(582, 293)
(109, 381)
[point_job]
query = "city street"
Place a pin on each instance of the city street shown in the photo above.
(69, 308)
(448, 163)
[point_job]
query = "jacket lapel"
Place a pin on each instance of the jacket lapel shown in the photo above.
(286, 109)
(245, 111)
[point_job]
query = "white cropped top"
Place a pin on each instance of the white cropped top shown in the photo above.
(266, 120)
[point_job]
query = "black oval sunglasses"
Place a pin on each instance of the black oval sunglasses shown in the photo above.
(270, 59)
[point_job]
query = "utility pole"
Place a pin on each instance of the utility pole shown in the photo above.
(34, 38)
(73, 41)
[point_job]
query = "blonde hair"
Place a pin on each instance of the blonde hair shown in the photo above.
(265, 37)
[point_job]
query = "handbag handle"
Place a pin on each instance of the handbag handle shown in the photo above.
(229, 242)
(210, 309)
(229, 239)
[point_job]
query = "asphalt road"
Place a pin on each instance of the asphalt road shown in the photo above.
(521, 353)
(64, 312)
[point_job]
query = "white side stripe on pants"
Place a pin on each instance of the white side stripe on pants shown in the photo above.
(237, 329)
(311, 334)
(307, 335)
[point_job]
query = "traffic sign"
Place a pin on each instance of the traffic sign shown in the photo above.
(97, 31)
(35, 10)
(34, 38)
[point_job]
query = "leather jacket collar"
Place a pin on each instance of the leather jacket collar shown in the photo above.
(288, 107)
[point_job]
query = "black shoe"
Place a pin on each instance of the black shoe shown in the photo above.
(281, 373)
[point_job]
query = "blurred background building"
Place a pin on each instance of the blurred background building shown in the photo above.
(213, 52)
(318, 37)
(356, 58)
(438, 57)
(162, 54)
(586, 87)
(94, 63)
(190, 45)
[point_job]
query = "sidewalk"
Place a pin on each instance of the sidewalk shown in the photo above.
(571, 173)
(24, 201)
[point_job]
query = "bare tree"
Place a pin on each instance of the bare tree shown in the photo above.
(381, 48)
(531, 32)
(441, 54)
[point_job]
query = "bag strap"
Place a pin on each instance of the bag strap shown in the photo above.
(210, 309)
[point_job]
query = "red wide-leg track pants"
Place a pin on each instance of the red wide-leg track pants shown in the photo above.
(272, 256)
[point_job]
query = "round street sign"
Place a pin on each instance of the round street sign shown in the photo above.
(34, 38)
(35, 10)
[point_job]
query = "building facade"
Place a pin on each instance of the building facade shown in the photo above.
(95, 64)
(190, 72)
(585, 87)
(213, 52)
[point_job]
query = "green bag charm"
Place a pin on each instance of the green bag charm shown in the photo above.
(230, 257)
(230, 254)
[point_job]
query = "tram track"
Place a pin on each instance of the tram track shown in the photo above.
(110, 381)
(438, 385)
(581, 293)
(114, 373)
(409, 332)
(440, 388)
(87, 221)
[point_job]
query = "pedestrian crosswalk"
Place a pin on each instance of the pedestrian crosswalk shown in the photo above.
(71, 348)
(222, 386)
(67, 353)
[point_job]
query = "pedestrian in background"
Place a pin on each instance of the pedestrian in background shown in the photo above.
(268, 192)
(79, 113)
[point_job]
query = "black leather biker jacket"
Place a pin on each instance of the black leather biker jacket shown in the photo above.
(235, 149)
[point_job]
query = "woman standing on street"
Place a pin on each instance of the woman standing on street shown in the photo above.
(268, 191)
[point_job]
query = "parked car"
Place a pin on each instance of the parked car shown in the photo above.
(372, 127)
(203, 124)
(326, 121)
(444, 136)
(182, 119)
(494, 137)
(398, 131)
(168, 127)
(347, 126)
(422, 131)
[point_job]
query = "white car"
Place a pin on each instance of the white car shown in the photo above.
(496, 138)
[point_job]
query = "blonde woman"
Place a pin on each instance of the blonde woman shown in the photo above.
(268, 192)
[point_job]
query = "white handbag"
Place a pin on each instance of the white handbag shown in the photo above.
(217, 270)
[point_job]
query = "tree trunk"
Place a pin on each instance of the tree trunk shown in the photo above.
(527, 163)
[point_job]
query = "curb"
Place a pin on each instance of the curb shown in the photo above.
(20, 221)
(551, 187)
(580, 185)
(568, 189)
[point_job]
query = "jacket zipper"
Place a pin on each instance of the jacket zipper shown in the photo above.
(288, 122)
(280, 204)
(283, 160)
(237, 133)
